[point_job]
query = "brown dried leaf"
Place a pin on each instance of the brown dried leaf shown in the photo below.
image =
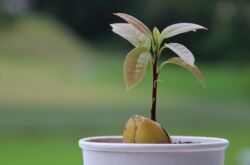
(192, 68)
(179, 28)
(135, 65)
(136, 23)
(130, 33)
(183, 52)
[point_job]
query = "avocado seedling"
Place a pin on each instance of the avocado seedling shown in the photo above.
(156, 146)
(148, 49)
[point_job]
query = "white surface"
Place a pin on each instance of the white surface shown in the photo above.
(110, 151)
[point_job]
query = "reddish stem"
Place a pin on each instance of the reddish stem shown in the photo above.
(154, 87)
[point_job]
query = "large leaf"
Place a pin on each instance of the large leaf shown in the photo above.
(179, 28)
(130, 33)
(192, 68)
(135, 66)
(185, 54)
(136, 23)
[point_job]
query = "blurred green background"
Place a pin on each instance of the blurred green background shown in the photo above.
(61, 76)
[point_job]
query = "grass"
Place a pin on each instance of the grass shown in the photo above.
(31, 131)
(55, 90)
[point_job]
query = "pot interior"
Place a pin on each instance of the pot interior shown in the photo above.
(175, 140)
(106, 140)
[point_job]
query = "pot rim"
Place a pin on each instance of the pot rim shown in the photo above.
(114, 144)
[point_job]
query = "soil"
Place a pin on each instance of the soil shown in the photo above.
(186, 142)
(119, 141)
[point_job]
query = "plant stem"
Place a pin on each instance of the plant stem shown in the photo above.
(154, 87)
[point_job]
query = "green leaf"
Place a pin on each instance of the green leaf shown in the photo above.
(192, 68)
(130, 33)
(179, 28)
(185, 54)
(135, 65)
(136, 23)
(157, 38)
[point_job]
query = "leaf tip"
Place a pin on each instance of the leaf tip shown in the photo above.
(205, 28)
(118, 14)
(128, 86)
(201, 79)
(127, 89)
(203, 84)
(111, 25)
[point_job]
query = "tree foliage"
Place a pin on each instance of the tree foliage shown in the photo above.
(228, 21)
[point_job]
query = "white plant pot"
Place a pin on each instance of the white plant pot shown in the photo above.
(109, 150)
